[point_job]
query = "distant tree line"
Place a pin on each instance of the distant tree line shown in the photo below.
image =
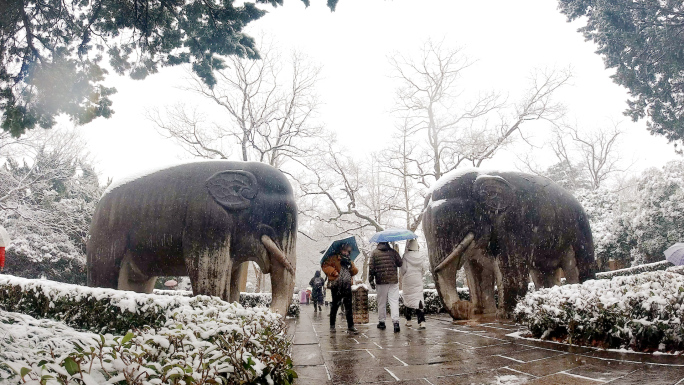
(48, 192)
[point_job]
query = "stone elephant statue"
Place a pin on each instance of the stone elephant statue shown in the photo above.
(505, 228)
(204, 220)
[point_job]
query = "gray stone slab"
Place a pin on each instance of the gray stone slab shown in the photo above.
(461, 353)
(307, 355)
(305, 338)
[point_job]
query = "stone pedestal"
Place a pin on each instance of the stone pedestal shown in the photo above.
(360, 305)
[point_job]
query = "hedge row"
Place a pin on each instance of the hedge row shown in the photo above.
(246, 300)
(86, 308)
(433, 302)
(172, 339)
(656, 266)
(643, 312)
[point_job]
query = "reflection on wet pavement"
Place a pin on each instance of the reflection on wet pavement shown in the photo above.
(469, 352)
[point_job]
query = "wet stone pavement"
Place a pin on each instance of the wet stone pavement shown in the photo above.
(468, 352)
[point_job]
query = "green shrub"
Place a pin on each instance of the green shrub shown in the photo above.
(433, 302)
(642, 312)
(246, 300)
(199, 340)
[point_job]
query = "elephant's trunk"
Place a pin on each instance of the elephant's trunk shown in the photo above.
(277, 254)
(457, 253)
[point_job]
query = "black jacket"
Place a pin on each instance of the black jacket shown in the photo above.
(383, 265)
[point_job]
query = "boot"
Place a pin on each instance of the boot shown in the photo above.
(396, 327)
(381, 325)
(352, 330)
(408, 323)
(332, 329)
(421, 325)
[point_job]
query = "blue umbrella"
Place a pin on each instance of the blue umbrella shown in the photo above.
(675, 254)
(393, 235)
(334, 248)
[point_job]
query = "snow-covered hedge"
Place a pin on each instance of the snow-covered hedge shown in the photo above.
(643, 312)
(246, 300)
(662, 265)
(199, 340)
(87, 308)
(433, 303)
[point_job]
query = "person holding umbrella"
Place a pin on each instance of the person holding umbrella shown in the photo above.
(340, 269)
(382, 272)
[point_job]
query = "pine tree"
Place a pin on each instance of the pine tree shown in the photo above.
(51, 51)
(642, 41)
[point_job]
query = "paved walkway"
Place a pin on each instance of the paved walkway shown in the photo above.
(462, 353)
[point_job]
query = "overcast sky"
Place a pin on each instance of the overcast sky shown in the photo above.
(508, 39)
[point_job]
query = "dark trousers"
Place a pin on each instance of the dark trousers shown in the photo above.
(420, 314)
(339, 297)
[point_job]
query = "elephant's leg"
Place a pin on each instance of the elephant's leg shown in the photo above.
(556, 278)
(569, 265)
(237, 276)
(446, 281)
(132, 278)
(515, 272)
(445, 278)
(537, 278)
(102, 261)
(210, 271)
(481, 280)
(282, 287)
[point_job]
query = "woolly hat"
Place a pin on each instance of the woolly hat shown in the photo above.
(412, 245)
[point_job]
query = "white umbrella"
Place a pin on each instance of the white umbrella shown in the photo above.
(4, 237)
(675, 254)
(170, 283)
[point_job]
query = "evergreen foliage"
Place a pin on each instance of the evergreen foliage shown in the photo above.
(51, 52)
(48, 198)
(637, 227)
(642, 42)
(641, 312)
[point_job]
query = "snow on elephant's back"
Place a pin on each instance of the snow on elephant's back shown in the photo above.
(202, 219)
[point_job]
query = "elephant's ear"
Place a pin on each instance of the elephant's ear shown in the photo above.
(494, 192)
(234, 189)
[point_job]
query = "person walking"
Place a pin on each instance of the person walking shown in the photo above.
(340, 269)
(383, 274)
(412, 283)
(316, 284)
(327, 293)
(302, 297)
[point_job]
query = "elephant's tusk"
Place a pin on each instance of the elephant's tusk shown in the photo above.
(458, 251)
(275, 251)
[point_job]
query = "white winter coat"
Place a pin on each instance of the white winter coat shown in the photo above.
(412, 279)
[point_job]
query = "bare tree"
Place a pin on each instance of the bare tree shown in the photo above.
(586, 158)
(597, 152)
(347, 196)
(269, 107)
(406, 170)
(28, 155)
(457, 130)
